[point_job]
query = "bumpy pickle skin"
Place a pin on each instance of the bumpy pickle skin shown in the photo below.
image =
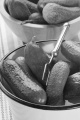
(22, 84)
(56, 83)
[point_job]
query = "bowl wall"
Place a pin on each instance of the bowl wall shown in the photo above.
(26, 32)
(42, 32)
(23, 110)
(19, 110)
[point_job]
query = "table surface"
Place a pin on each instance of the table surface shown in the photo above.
(8, 42)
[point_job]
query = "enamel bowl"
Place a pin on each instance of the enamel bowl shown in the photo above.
(24, 110)
(42, 32)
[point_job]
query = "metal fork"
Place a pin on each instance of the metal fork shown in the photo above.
(47, 67)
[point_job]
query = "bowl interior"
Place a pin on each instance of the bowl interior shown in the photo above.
(69, 104)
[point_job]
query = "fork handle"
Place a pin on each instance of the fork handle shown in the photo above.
(61, 38)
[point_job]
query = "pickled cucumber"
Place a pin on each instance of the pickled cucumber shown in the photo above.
(36, 59)
(71, 50)
(72, 87)
(22, 84)
(57, 14)
(56, 83)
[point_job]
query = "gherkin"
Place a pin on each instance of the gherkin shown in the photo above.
(56, 83)
(72, 87)
(22, 83)
(20, 9)
(36, 59)
(56, 14)
(71, 50)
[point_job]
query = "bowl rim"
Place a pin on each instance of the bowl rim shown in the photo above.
(5, 14)
(29, 104)
(31, 25)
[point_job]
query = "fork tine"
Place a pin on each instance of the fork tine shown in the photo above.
(45, 72)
